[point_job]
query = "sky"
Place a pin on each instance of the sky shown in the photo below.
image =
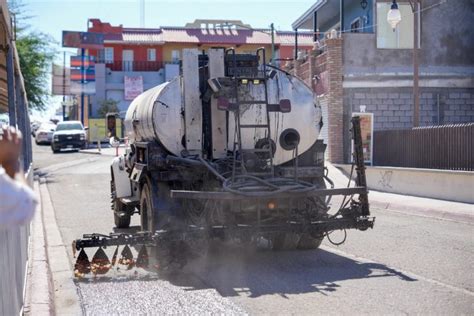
(54, 16)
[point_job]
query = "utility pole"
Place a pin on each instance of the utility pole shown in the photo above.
(273, 44)
(83, 53)
(415, 6)
(393, 18)
(142, 13)
(64, 86)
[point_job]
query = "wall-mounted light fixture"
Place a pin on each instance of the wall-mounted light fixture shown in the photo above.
(393, 16)
(363, 4)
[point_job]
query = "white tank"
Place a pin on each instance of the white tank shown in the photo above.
(157, 115)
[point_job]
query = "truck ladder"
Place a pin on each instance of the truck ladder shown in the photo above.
(240, 160)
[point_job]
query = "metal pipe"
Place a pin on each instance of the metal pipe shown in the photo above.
(183, 161)
(11, 86)
(64, 86)
(437, 104)
(296, 44)
(21, 113)
(273, 44)
(416, 90)
(83, 52)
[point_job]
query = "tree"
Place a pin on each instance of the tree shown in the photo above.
(108, 106)
(36, 54)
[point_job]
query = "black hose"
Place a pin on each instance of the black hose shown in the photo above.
(211, 169)
(337, 243)
(273, 185)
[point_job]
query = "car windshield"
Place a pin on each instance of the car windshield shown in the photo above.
(47, 127)
(69, 126)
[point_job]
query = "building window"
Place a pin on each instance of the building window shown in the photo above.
(402, 37)
(151, 53)
(175, 55)
(356, 26)
(109, 55)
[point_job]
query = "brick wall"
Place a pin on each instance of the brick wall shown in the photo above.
(329, 62)
(393, 107)
(335, 100)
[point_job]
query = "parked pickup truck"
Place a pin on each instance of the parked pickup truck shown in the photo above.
(69, 135)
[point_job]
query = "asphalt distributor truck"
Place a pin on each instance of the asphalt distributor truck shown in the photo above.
(228, 150)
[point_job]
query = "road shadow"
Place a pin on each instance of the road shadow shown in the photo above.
(257, 273)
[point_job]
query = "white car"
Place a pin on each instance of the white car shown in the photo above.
(44, 134)
(34, 128)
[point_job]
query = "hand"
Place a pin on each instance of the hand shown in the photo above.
(10, 148)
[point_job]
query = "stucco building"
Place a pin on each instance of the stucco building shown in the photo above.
(372, 65)
(154, 54)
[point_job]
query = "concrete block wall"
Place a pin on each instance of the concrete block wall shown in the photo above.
(393, 107)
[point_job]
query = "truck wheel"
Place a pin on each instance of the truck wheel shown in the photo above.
(167, 256)
(122, 212)
(308, 242)
(146, 208)
(285, 241)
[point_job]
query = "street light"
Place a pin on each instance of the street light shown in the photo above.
(393, 18)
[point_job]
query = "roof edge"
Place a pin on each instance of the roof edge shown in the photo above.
(304, 16)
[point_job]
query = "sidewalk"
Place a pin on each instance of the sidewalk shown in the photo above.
(105, 150)
(440, 209)
(50, 285)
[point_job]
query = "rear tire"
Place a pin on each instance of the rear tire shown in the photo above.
(167, 256)
(147, 208)
(308, 242)
(285, 241)
(122, 212)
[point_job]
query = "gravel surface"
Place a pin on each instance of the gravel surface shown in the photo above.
(154, 296)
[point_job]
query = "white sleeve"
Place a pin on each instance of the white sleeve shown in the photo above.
(17, 202)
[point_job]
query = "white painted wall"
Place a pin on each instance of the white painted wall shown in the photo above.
(438, 184)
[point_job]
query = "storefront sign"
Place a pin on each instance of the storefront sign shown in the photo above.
(87, 40)
(133, 87)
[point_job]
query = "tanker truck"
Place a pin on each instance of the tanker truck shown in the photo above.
(228, 150)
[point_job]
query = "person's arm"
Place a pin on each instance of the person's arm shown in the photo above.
(10, 148)
(17, 201)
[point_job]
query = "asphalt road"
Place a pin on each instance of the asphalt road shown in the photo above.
(406, 265)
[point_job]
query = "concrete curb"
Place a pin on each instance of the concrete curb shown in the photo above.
(66, 297)
(424, 212)
(39, 286)
(87, 151)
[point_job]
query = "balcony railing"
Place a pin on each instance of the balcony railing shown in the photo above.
(123, 65)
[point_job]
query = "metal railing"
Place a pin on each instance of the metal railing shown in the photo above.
(434, 147)
(123, 65)
(14, 240)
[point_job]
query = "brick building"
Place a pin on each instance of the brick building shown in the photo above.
(371, 65)
(155, 53)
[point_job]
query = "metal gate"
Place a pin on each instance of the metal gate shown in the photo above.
(323, 134)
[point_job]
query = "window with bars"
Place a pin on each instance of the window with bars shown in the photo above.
(151, 54)
(175, 55)
(108, 54)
